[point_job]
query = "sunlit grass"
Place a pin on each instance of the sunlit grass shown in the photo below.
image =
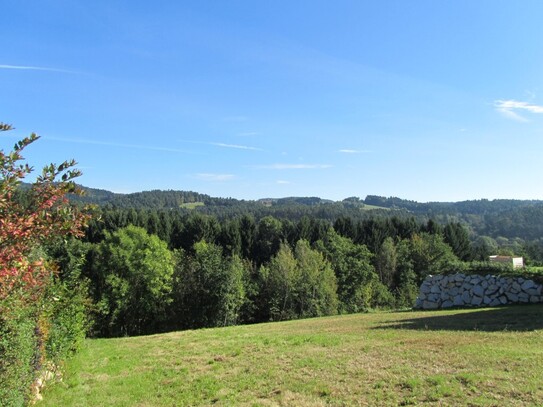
(367, 207)
(469, 357)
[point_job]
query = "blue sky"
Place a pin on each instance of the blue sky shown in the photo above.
(424, 100)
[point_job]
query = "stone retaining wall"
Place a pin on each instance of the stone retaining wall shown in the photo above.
(460, 290)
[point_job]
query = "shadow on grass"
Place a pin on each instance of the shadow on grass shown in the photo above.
(509, 318)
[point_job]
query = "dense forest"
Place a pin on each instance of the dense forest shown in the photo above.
(508, 218)
(151, 270)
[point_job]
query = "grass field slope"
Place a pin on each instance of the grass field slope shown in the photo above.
(483, 357)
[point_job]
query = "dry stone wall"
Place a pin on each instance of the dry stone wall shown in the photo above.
(461, 290)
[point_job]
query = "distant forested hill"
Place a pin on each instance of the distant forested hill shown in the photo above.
(291, 208)
(476, 207)
(507, 218)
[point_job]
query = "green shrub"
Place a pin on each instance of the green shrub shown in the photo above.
(19, 352)
(69, 321)
(38, 333)
(406, 295)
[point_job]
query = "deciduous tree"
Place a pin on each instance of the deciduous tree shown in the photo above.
(209, 287)
(133, 281)
(358, 285)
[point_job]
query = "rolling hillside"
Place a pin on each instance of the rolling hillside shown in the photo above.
(507, 218)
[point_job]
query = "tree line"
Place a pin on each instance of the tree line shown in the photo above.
(508, 218)
(156, 270)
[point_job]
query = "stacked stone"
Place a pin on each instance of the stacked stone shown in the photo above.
(460, 290)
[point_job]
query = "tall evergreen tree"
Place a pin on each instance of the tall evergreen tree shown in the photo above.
(456, 236)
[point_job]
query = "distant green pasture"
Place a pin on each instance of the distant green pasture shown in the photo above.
(191, 205)
(372, 207)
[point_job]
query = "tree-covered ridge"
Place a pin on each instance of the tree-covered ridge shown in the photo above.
(506, 218)
(171, 199)
(478, 206)
(155, 199)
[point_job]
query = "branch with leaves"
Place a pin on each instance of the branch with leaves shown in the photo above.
(45, 214)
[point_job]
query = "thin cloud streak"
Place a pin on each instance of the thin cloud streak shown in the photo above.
(34, 68)
(509, 109)
(214, 177)
(292, 166)
(351, 151)
(121, 145)
(236, 146)
(223, 145)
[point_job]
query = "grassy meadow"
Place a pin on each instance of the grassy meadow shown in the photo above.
(191, 205)
(479, 357)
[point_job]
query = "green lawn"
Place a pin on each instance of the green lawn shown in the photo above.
(484, 357)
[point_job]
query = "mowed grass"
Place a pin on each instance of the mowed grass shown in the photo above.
(484, 357)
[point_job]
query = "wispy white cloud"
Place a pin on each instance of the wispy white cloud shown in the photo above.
(283, 182)
(511, 108)
(292, 166)
(215, 177)
(236, 146)
(351, 151)
(113, 144)
(34, 68)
